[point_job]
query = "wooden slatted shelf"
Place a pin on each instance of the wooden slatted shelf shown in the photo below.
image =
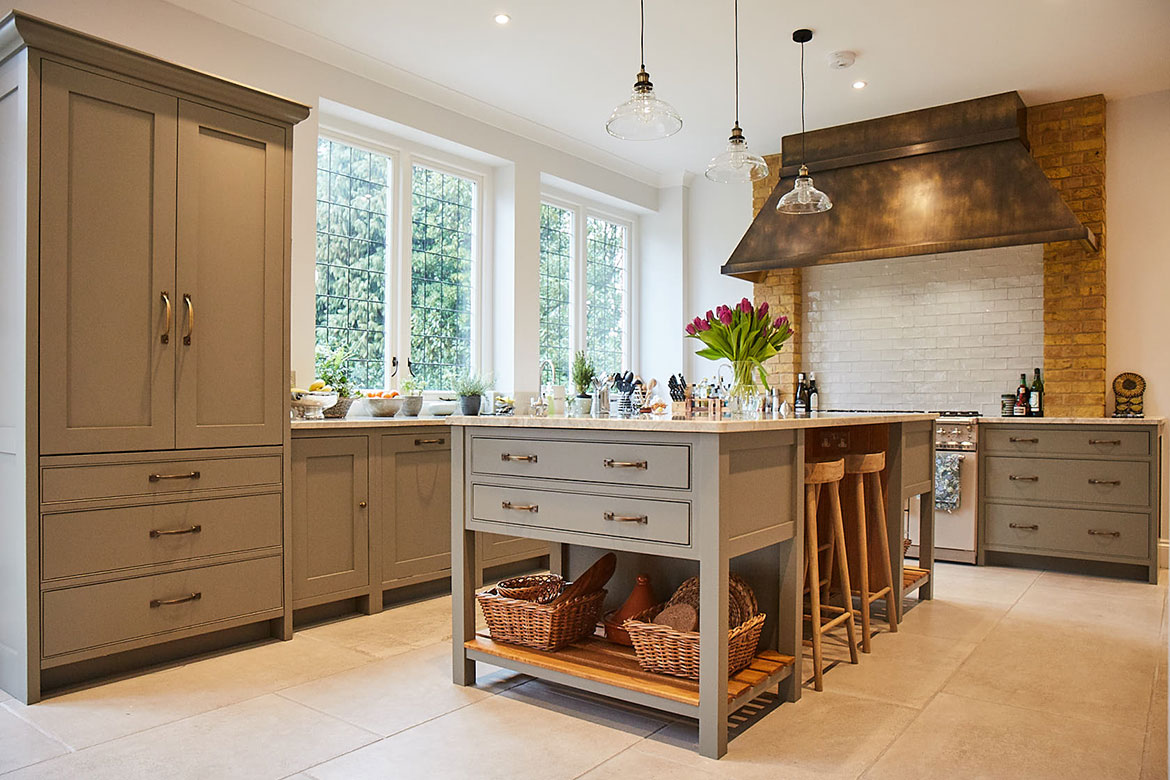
(913, 578)
(603, 662)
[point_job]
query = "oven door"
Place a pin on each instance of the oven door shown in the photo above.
(954, 530)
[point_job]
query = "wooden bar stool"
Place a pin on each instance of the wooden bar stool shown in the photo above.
(829, 475)
(864, 474)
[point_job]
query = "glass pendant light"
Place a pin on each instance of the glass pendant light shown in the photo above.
(736, 163)
(804, 198)
(643, 117)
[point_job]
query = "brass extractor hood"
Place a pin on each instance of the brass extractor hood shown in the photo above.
(942, 179)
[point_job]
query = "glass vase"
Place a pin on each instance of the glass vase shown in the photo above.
(743, 401)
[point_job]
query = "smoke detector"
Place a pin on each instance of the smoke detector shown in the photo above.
(839, 60)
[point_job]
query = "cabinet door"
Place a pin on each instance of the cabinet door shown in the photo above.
(330, 516)
(231, 246)
(416, 507)
(107, 236)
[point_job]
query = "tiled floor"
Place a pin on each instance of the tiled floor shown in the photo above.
(1006, 674)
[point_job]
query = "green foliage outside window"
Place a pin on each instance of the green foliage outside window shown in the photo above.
(556, 260)
(605, 293)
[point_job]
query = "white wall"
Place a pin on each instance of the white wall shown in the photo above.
(947, 331)
(663, 251)
(1137, 184)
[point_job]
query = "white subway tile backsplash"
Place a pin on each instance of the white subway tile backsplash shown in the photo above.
(939, 331)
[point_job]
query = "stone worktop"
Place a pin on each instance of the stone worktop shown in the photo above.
(1159, 421)
(648, 423)
(368, 422)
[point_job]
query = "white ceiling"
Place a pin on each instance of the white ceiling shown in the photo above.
(562, 65)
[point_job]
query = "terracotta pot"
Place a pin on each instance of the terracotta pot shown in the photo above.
(641, 598)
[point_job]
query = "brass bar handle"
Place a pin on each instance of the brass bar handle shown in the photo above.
(640, 519)
(1024, 527)
(534, 508)
(1016, 440)
(1104, 481)
(156, 603)
(1018, 478)
(166, 335)
(155, 533)
(1095, 532)
(421, 442)
(161, 477)
(508, 457)
(190, 318)
(610, 463)
(1110, 442)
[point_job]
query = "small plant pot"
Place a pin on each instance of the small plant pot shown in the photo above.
(339, 409)
(469, 404)
(411, 405)
(583, 404)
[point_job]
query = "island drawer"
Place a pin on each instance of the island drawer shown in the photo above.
(95, 615)
(1040, 440)
(102, 540)
(611, 516)
(157, 477)
(644, 465)
(1117, 482)
(1041, 530)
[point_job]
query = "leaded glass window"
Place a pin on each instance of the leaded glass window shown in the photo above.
(556, 261)
(606, 245)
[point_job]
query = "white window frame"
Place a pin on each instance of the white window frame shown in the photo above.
(404, 155)
(582, 210)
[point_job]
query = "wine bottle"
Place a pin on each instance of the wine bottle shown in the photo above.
(1036, 396)
(814, 396)
(1022, 396)
(801, 401)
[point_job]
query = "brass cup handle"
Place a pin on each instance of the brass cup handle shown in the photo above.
(161, 477)
(156, 533)
(534, 508)
(1018, 478)
(420, 442)
(640, 519)
(156, 603)
(508, 457)
(1104, 481)
(1016, 440)
(1024, 527)
(190, 318)
(610, 463)
(1110, 442)
(1095, 532)
(166, 334)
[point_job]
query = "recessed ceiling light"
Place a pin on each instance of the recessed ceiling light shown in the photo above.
(503, 18)
(859, 85)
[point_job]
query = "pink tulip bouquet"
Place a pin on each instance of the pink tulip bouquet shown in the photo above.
(745, 336)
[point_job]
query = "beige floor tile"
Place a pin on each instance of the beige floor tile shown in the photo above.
(399, 692)
(824, 735)
(116, 709)
(4, 695)
(266, 737)
(1103, 586)
(1062, 606)
(21, 744)
(1066, 670)
(637, 765)
(498, 738)
(1154, 758)
(956, 737)
(373, 635)
(989, 584)
(965, 621)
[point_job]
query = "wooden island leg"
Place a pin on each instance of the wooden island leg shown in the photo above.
(926, 542)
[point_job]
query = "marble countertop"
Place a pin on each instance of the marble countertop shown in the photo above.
(685, 426)
(1159, 421)
(369, 422)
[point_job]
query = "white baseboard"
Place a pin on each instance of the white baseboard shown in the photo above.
(1164, 553)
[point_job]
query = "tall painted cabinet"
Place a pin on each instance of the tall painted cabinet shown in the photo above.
(144, 265)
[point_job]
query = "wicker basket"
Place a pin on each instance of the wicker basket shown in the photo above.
(663, 650)
(541, 588)
(540, 626)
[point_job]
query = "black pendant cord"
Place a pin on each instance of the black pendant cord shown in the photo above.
(736, 28)
(802, 104)
(642, 38)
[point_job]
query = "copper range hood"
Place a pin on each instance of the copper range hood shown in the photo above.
(942, 179)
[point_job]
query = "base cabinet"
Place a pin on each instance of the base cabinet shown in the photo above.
(414, 473)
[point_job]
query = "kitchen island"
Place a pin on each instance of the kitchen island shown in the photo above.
(673, 498)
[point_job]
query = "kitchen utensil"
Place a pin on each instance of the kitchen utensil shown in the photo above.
(592, 580)
(641, 598)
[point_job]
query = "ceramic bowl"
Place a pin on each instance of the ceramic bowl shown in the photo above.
(309, 405)
(411, 405)
(384, 407)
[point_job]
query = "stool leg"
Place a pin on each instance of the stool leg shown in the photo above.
(813, 575)
(862, 561)
(843, 566)
(827, 565)
(879, 503)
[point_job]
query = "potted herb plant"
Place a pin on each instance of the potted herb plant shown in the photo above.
(412, 398)
(583, 373)
(470, 389)
(333, 370)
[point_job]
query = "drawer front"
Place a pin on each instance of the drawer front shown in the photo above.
(1043, 441)
(95, 615)
(98, 540)
(74, 483)
(648, 465)
(1080, 531)
(1119, 482)
(621, 518)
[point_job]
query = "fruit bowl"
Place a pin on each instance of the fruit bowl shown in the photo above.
(384, 407)
(310, 404)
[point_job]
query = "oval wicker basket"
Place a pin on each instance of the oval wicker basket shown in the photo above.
(663, 650)
(540, 626)
(541, 588)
